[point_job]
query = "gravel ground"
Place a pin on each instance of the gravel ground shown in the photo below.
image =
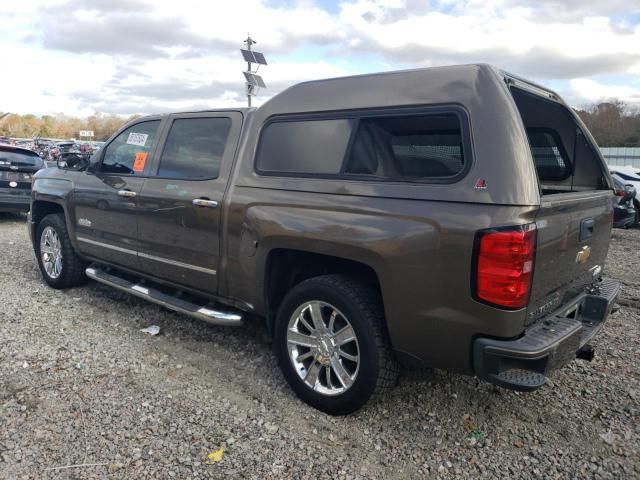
(80, 384)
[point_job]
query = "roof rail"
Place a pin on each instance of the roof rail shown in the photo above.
(512, 79)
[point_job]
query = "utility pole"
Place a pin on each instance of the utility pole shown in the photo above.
(249, 42)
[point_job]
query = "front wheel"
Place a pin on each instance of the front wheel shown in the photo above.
(331, 344)
(59, 264)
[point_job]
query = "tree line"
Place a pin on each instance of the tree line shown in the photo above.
(613, 124)
(60, 126)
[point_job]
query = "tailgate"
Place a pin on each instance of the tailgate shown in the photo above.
(573, 239)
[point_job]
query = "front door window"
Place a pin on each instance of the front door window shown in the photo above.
(127, 153)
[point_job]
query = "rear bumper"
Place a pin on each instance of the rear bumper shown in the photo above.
(12, 202)
(523, 364)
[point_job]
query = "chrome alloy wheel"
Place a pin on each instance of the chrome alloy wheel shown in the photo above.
(51, 252)
(323, 348)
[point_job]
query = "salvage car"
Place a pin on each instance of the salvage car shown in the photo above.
(624, 213)
(17, 166)
(627, 176)
(456, 217)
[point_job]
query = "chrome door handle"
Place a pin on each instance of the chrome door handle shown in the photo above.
(126, 193)
(203, 202)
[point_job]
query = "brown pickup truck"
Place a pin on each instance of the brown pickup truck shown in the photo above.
(454, 217)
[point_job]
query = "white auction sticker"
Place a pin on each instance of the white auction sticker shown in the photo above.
(138, 139)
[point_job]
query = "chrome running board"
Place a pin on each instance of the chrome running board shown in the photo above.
(205, 313)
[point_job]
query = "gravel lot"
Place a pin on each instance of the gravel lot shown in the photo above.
(80, 384)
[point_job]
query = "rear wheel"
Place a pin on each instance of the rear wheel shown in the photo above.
(331, 344)
(58, 262)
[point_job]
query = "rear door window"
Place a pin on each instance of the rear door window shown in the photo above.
(194, 148)
(127, 153)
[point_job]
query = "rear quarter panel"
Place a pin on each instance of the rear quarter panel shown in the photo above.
(420, 250)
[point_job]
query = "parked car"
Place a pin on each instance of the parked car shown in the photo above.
(46, 149)
(17, 166)
(626, 175)
(65, 147)
(456, 217)
(624, 213)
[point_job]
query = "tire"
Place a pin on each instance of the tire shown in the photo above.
(355, 305)
(70, 269)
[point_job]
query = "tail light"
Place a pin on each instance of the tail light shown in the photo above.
(504, 261)
(619, 193)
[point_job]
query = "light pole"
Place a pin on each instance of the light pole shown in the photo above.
(249, 42)
(253, 81)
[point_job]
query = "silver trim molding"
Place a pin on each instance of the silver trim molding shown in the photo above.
(168, 261)
(106, 245)
(176, 263)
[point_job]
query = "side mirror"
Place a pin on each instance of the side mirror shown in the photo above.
(93, 162)
(73, 161)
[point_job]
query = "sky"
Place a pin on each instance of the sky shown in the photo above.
(123, 57)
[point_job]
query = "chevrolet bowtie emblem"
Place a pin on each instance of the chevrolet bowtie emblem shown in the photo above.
(583, 255)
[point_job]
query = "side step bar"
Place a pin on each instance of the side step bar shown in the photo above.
(200, 312)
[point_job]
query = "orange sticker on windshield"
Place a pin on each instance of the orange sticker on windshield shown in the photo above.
(140, 161)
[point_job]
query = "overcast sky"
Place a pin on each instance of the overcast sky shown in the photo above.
(145, 56)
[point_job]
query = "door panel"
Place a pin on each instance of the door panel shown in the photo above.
(179, 241)
(180, 208)
(105, 198)
(106, 220)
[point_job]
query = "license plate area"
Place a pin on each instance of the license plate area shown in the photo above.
(10, 175)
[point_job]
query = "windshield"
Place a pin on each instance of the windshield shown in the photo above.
(18, 159)
(628, 176)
